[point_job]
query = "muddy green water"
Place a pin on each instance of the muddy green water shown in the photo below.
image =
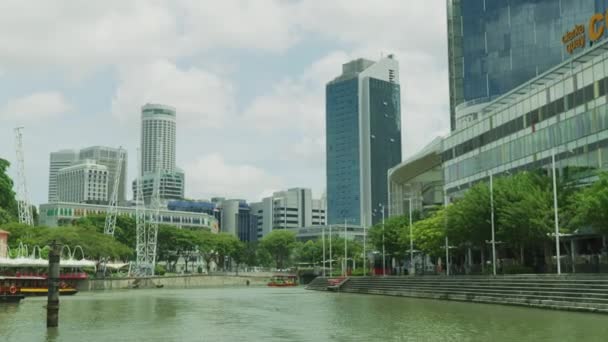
(290, 314)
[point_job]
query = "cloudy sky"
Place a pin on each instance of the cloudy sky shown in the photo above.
(247, 78)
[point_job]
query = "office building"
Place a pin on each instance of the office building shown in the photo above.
(292, 208)
(237, 218)
(86, 182)
(417, 181)
(59, 160)
(61, 213)
(355, 233)
(564, 112)
(109, 156)
(363, 139)
(158, 130)
(495, 46)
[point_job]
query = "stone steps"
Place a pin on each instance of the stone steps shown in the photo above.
(585, 293)
(600, 296)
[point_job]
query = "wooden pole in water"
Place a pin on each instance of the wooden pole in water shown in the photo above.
(52, 307)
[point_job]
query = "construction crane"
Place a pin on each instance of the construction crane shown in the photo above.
(112, 211)
(141, 262)
(154, 212)
(23, 203)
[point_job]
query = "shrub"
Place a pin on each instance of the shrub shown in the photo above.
(159, 270)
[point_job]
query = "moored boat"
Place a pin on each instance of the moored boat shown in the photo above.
(283, 281)
(38, 286)
(10, 292)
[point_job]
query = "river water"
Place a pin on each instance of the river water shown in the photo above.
(286, 314)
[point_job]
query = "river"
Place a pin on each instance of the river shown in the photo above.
(286, 314)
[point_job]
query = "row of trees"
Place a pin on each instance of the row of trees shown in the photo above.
(524, 218)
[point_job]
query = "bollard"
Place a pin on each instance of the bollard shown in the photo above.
(52, 307)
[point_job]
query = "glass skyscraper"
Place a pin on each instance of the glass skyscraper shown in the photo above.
(363, 139)
(496, 45)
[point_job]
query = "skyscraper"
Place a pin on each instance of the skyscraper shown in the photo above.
(494, 46)
(158, 135)
(363, 139)
(157, 126)
(59, 160)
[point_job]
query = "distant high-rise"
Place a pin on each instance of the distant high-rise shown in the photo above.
(292, 208)
(58, 161)
(101, 155)
(109, 156)
(495, 46)
(157, 126)
(158, 134)
(363, 139)
(85, 182)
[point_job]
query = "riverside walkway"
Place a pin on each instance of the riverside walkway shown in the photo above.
(576, 293)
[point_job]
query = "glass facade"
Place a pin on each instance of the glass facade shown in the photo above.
(342, 151)
(496, 45)
(385, 137)
(565, 110)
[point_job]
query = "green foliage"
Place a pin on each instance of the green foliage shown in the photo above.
(95, 245)
(590, 206)
(429, 234)
(159, 270)
(469, 217)
(390, 235)
(279, 245)
(7, 196)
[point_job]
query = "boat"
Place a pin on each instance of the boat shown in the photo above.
(10, 292)
(283, 281)
(38, 286)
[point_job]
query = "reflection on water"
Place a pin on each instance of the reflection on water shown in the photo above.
(286, 314)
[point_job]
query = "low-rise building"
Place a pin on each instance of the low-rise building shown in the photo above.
(62, 213)
(418, 180)
(335, 231)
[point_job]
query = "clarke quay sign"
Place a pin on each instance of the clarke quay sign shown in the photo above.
(575, 38)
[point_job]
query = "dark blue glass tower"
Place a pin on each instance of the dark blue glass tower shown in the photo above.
(496, 45)
(363, 139)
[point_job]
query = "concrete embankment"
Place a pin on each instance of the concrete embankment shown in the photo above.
(577, 293)
(174, 282)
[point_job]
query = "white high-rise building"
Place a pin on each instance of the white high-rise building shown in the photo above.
(158, 134)
(109, 156)
(58, 161)
(292, 208)
(157, 126)
(86, 182)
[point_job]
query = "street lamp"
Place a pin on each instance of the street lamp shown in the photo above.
(557, 253)
(345, 250)
(411, 239)
(383, 249)
(323, 239)
(330, 258)
(492, 216)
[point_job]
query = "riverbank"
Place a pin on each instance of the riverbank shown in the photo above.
(173, 282)
(573, 293)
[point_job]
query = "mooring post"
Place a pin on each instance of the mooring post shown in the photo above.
(52, 307)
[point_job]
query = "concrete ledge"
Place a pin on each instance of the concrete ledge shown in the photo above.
(175, 282)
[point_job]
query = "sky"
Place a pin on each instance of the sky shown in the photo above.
(247, 78)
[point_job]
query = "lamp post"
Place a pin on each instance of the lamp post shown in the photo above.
(492, 219)
(323, 239)
(383, 249)
(557, 252)
(364, 255)
(411, 240)
(345, 250)
(330, 259)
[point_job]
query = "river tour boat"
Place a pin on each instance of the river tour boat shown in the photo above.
(283, 281)
(10, 292)
(37, 284)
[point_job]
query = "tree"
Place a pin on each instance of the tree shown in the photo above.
(393, 229)
(279, 244)
(7, 195)
(173, 243)
(590, 206)
(525, 211)
(429, 233)
(470, 217)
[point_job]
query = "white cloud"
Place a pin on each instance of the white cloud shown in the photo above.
(35, 107)
(202, 99)
(211, 175)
